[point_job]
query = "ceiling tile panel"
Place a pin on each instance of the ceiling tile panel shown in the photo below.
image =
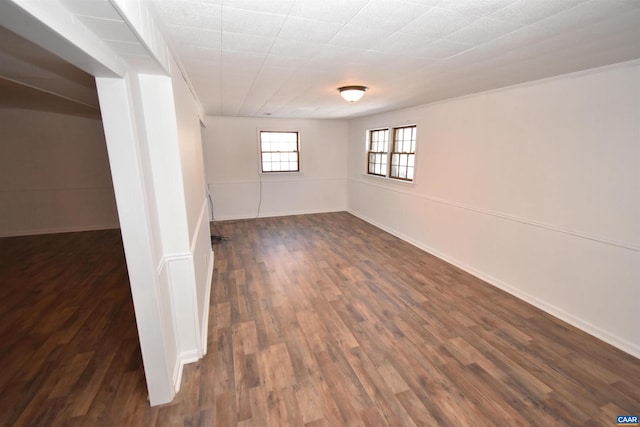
(528, 11)
(295, 48)
(198, 68)
(308, 30)
(336, 11)
(585, 14)
(331, 57)
(246, 43)
(191, 14)
(289, 62)
(387, 15)
(251, 23)
(186, 37)
(438, 23)
(288, 57)
(246, 61)
(442, 49)
(359, 37)
(403, 43)
(475, 7)
(278, 7)
(521, 39)
(199, 53)
(482, 30)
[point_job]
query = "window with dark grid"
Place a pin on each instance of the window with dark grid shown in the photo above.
(280, 151)
(378, 152)
(403, 153)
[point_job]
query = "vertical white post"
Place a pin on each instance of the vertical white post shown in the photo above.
(134, 196)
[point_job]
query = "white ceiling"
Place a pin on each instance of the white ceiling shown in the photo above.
(286, 58)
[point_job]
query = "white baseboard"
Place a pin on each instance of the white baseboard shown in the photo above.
(277, 214)
(182, 359)
(56, 230)
(204, 328)
(551, 309)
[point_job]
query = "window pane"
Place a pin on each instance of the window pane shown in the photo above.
(402, 156)
(279, 151)
(378, 152)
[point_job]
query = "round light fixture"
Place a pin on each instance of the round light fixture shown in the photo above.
(352, 93)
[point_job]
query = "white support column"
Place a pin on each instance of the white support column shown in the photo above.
(136, 210)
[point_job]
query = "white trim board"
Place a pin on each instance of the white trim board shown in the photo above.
(625, 245)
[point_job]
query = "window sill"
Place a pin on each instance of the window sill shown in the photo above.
(280, 173)
(388, 179)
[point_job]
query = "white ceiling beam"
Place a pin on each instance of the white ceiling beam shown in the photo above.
(51, 26)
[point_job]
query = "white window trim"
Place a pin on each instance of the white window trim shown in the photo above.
(387, 177)
(279, 173)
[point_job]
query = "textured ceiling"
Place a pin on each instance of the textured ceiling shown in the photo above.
(286, 58)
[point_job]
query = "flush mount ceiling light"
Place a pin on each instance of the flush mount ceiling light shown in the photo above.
(352, 93)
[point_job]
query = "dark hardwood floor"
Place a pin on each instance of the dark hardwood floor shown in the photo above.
(69, 351)
(315, 320)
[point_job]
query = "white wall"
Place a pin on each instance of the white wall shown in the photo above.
(196, 201)
(231, 154)
(534, 188)
(54, 174)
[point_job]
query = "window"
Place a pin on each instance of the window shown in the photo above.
(401, 152)
(279, 151)
(378, 152)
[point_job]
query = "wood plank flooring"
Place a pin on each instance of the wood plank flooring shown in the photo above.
(69, 352)
(316, 320)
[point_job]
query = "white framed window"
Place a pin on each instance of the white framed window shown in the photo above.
(279, 151)
(393, 158)
(403, 153)
(378, 152)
